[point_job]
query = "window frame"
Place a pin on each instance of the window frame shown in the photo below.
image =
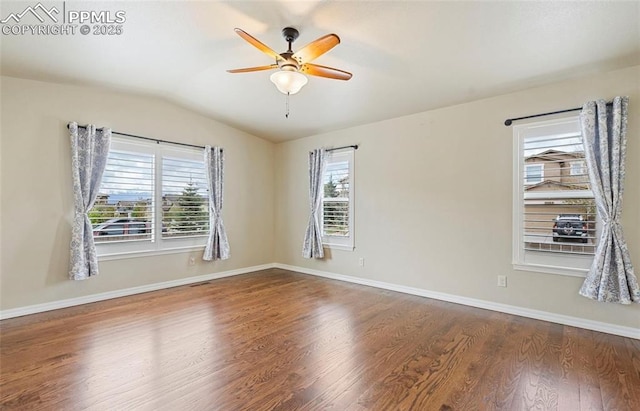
(541, 261)
(156, 245)
(346, 243)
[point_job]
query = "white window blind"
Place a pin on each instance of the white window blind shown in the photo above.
(337, 201)
(153, 198)
(123, 210)
(554, 207)
(185, 202)
(335, 204)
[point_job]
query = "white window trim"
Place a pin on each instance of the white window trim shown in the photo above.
(157, 246)
(542, 262)
(527, 166)
(339, 242)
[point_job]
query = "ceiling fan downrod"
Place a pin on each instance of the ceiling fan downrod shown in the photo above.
(290, 35)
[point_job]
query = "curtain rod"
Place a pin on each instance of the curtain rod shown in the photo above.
(157, 140)
(508, 121)
(354, 146)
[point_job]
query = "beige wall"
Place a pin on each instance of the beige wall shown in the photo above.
(37, 200)
(432, 190)
(433, 200)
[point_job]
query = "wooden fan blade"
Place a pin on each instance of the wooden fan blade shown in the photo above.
(316, 48)
(249, 69)
(323, 71)
(258, 44)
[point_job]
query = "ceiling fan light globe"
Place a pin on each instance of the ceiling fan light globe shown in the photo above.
(289, 82)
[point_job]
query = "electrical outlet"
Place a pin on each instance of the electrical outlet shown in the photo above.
(361, 262)
(192, 260)
(502, 281)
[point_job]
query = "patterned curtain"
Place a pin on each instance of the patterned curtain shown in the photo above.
(312, 246)
(217, 244)
(611, 277)
(89, 151)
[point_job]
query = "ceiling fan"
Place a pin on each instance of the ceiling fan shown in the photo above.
(290, 78)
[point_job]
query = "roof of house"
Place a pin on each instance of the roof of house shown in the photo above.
(552, 154)
(555, 185)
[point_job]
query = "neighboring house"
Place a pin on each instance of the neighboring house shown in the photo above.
(554, 166)
(133, 209)
(168, 200)
(102, 199)
(125, 208)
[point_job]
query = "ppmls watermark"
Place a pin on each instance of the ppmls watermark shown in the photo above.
(58, 20)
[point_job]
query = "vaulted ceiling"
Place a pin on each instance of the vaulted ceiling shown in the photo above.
(405, 56)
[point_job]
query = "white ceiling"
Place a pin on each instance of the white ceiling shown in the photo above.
(405, 56)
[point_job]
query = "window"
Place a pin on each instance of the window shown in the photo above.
(185, 203)
(533, 173)
(578, 168)
(337, 202)
(153, 198)
(554, 211)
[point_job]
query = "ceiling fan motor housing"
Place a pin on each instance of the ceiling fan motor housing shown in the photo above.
(290, 35)
(287, 62)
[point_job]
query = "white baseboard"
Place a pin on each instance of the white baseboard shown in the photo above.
(488, 305)
(54, 305)
(472, 302)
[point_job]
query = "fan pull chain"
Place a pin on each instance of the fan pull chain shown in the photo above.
(286, 114)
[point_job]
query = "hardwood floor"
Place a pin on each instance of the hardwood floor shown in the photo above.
(277, 340)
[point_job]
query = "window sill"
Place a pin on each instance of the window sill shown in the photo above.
(149, 253)
(549, 269)
(339, 247)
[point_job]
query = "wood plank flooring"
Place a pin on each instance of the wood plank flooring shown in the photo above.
(278, 340)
